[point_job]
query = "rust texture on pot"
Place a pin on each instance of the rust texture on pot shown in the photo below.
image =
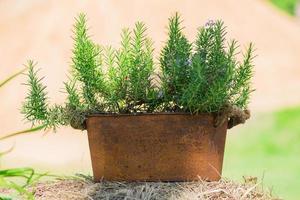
(156, 147)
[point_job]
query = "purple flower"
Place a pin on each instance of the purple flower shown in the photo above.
(210, 23)
(189, 61)
(160, 94)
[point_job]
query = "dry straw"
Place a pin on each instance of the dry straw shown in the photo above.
(86, 190)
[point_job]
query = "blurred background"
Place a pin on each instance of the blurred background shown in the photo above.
(268, 146)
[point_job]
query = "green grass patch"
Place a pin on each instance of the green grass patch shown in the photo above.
(267, 147)
(288, 6)
(18, 179)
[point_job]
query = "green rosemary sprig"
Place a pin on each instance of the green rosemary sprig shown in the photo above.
(200, 77)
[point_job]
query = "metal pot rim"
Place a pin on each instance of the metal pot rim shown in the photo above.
(148, 114)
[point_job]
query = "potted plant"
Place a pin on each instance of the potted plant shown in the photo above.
(144, 126)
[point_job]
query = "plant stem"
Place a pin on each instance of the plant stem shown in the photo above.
(2, 83)
(34, 129)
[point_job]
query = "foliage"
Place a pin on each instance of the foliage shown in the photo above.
(24, 173)
(217, 78)
(33, 129)
(86, 65)
(288, 6)
(205, 76)
(35, 108)
(175, 64)
(130, 72)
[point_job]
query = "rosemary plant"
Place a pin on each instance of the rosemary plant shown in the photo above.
(175, 65)
(200, 77)
(217, 78)
(130, 72)
(35, 107)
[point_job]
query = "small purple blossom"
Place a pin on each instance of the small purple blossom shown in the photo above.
(210, 23)
(189, 62)
(160, 94)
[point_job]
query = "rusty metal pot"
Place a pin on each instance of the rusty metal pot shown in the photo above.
(156, 147)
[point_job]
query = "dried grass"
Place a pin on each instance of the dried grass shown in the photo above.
(87, 190)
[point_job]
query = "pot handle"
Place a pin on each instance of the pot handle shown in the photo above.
(238, 118)
(234, 117)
